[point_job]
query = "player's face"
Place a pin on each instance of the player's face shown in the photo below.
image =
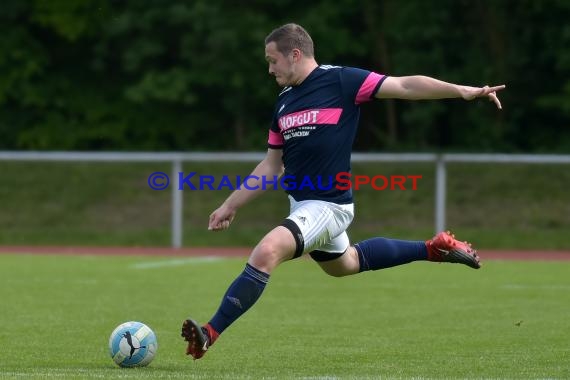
(280, 66)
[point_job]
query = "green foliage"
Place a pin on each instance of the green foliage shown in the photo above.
(190, 75)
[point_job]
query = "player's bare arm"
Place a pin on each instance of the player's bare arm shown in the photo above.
(271, 165)
(419, 87)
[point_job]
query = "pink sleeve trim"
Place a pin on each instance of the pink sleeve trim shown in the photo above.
(365, 93)
(275, 138)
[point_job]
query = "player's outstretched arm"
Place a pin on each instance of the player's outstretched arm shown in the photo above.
(419, 87)
(272, 165)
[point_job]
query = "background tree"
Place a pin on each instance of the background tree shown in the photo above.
(190, 75)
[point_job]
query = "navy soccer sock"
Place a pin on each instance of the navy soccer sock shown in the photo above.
(240, 296)
(378, 253)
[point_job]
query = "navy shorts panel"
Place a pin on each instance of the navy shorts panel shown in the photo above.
(321, 256)
(296, 231)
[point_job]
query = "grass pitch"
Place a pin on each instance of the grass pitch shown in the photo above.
(423, 320)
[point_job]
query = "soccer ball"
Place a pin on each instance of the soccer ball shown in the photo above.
(132, 344)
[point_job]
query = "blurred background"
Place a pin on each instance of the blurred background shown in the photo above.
(190, 76)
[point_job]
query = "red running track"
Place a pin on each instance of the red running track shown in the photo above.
(536, 255)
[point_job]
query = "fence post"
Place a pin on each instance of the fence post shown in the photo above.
(176, 205)
(440, 194)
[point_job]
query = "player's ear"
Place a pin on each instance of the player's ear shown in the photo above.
(296, 54)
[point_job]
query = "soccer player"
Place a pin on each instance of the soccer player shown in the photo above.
(312, 132)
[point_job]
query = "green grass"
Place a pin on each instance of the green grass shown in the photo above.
(421, 321)
(495, 206)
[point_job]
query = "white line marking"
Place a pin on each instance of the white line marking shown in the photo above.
(175, 262)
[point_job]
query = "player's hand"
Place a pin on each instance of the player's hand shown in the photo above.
(221, 218)
(470, 93)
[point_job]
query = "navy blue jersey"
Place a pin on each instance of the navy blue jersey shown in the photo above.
(315, 124)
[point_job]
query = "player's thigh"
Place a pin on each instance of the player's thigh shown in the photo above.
(336, 257)
(344, 264)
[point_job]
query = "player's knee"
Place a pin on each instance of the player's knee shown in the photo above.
(267, 249)
(267, 255)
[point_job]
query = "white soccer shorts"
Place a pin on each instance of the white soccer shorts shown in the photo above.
(322, 226)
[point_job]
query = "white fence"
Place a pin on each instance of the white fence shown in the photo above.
(440, 160)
